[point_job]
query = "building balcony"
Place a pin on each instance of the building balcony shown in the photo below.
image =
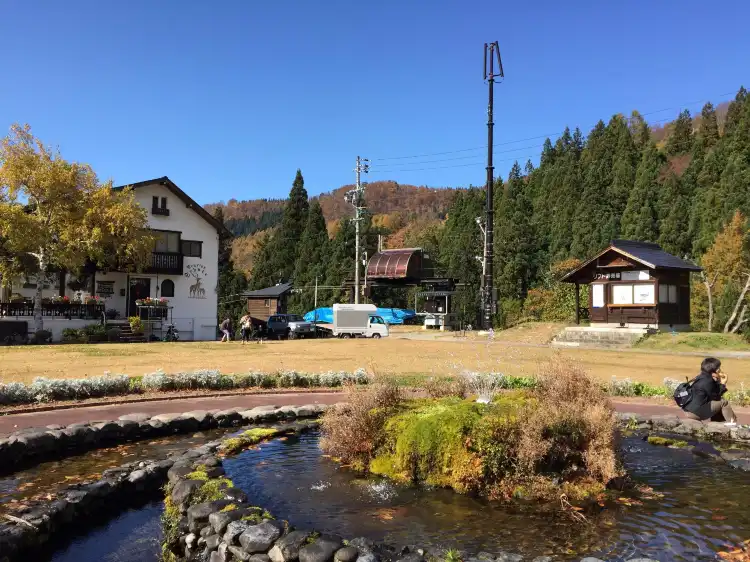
(160, 211)
(166, 263)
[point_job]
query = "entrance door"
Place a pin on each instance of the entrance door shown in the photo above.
(140, 288)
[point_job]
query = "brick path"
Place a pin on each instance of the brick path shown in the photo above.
(14, 422)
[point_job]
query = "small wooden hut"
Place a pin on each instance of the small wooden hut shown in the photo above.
(635, 285)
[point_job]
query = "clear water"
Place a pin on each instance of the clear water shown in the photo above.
(704, 509)
(133, 536)
(46, 478)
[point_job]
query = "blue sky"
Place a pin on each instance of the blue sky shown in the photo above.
(229, 98)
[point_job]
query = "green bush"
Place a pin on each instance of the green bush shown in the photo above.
(41, 337)
(136, 325)
(72, 335)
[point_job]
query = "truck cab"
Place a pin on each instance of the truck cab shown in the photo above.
(377, 327)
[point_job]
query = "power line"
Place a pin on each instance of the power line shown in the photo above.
(444, 167)
(680, 106)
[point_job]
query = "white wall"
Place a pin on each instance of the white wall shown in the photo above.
(194, 314)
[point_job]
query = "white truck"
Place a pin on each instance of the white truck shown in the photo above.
(352, 320)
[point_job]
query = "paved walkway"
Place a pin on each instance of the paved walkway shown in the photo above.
(14, 422)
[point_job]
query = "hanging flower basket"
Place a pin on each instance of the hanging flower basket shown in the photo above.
(156, 303)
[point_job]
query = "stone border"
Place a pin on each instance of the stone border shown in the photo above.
(119, 488)
(706, 431)
(31, 446)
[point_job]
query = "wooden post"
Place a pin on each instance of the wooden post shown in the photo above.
(578, 303)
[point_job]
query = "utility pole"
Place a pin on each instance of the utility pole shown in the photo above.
(315, 307)
(356, 198)
(489, 306)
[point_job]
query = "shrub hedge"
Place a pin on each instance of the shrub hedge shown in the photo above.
(43, 389)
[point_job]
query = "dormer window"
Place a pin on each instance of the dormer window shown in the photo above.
(159, 207)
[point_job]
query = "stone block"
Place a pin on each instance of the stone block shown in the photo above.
(259, 538)
(287, 547)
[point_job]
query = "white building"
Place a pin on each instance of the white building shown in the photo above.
(184, 268)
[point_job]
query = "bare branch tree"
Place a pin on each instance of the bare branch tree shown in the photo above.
(709, 291)
(738, 304)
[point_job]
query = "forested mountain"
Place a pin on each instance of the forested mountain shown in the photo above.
(677, 186)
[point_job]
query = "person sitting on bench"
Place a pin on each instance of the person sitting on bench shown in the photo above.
(708, 390)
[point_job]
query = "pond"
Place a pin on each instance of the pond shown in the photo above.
(48, 477)
(703, 510)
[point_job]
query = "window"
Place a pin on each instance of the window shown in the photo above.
(167, 288)
(157, 209)
(622, 294)
(597, 295)
(376, 320)
(668, 294)
(167, 242)
(192, 249)
(644, 294)
(267, 303)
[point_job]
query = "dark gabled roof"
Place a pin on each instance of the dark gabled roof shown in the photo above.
(647, 253)
(270, 292)
(651, 255)
(184, 197)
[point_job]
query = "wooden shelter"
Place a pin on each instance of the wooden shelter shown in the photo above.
(264, 303)
(635, 285)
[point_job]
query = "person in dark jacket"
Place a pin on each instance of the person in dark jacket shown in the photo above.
(708, 390)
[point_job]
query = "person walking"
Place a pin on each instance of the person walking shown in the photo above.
(245, 328)
(708, 389)
(226, 329)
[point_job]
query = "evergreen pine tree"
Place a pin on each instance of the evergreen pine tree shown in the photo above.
(286, 239)
(231, 283)
(674, 208)
(515, 249)
(639, 221)
(708, 132)
(734, 186)
(596, 165)
(680, 140)
(640, 131)
(312, 259)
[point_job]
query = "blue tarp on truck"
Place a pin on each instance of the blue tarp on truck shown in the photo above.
(324, 315)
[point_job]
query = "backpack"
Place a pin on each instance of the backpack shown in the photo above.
(683, 394)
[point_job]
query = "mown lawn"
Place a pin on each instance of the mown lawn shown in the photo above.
(408, 360)
(695, 341)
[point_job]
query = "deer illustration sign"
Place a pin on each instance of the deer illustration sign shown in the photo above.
(198, 272)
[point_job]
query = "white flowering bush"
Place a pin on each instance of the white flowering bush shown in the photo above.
(45, 390)
(15, 393)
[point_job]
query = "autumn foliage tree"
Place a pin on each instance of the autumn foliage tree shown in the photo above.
(56, 215)
(725, 278)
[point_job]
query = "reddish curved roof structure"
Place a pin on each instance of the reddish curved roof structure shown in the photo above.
(402, 263)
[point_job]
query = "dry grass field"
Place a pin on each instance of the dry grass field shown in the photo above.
(517, 352)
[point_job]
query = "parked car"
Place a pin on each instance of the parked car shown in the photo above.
(290, 326)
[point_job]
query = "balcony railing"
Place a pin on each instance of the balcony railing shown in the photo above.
(57, 309)
(168, 263)
(159, 211)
